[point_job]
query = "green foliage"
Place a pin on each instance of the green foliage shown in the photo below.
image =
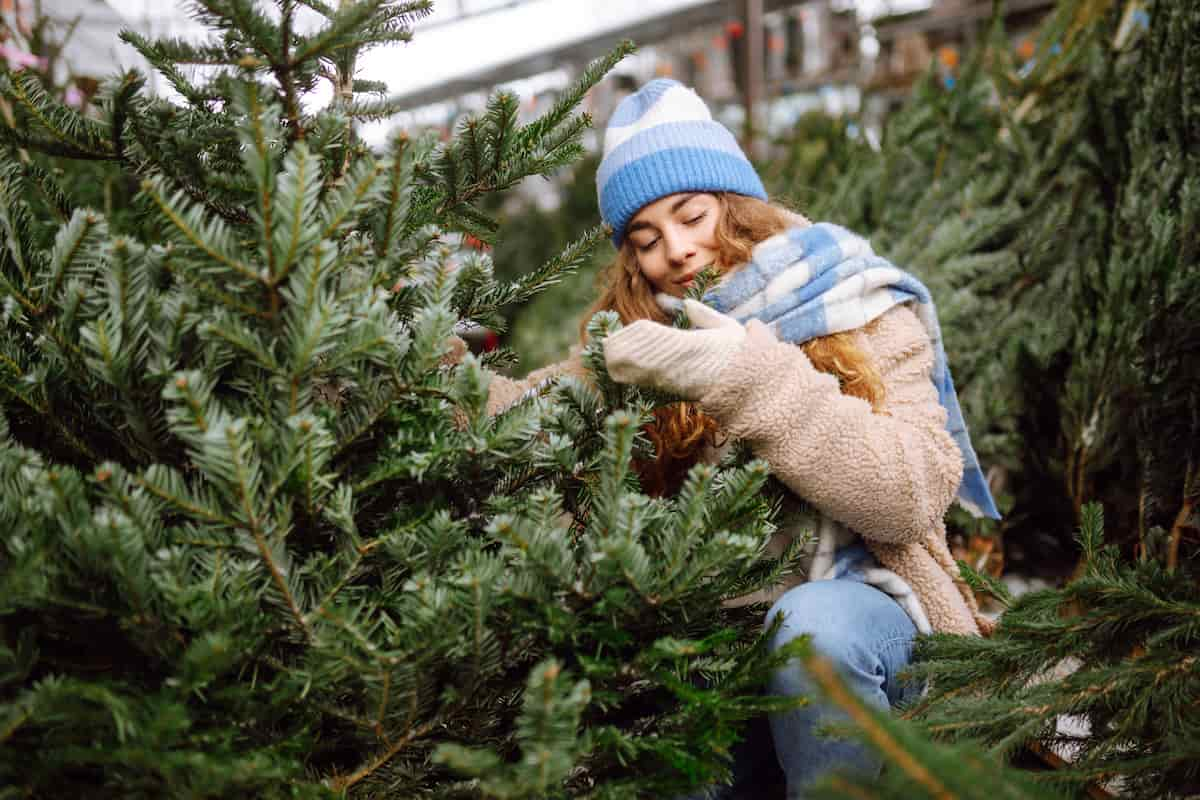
(549, 715)
(810, 160)
(258, 537)
(544, 330)
(1113, 648)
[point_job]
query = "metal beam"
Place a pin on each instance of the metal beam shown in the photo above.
(978, 13)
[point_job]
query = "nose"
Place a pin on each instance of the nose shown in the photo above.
(679, 248)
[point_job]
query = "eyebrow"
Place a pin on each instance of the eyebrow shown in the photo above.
(678, 204)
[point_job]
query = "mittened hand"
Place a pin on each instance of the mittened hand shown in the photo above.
(682, 362)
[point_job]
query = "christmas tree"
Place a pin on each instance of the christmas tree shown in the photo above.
(260, 534)
(1101, 674)
(1052, 208)
(1055, 213)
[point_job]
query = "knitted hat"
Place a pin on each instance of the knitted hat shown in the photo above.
(662, 140)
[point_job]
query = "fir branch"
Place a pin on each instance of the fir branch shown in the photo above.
(559, 267)
(373, 110)
(11, 290)
(821, 671)
(281, 584)
(122, 102)
(499, 120)
(322, 8)
(348, 19)
(211, 290)
(15, 217)
(210, 237)
(169, 486)
(296, 195)
(570, 99)
(242, 20)
(358, 418)
(161, 54)
(397, 195)
(407, 11)
(358, 189)
(982, 583)
(50, 147)
(63, 123)
(364, 86)
(77, 241)
(342, 783)
(182, 51)
(226, 328)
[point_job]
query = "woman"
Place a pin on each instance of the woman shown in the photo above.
(854, 420)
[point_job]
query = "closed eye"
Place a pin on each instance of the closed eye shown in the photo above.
(696, 219)
(645, 248)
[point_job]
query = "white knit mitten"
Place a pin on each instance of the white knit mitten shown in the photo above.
(683, 362)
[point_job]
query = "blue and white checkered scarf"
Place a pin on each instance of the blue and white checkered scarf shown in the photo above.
(822, 279)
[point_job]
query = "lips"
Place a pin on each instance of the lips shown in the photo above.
(685, 280)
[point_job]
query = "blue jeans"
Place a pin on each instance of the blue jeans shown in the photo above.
(869, 638)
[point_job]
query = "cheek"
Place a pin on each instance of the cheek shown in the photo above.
(654, 272)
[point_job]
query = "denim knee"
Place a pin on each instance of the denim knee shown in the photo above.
(841, 618)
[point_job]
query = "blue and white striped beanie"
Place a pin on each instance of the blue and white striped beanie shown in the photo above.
(662, 140)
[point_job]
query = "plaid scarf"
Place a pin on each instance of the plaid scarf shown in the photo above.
(822, 279)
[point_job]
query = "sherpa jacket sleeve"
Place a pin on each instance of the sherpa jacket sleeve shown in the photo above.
(890, 474)
(503, 392)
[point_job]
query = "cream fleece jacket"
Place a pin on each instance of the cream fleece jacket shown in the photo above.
(889, 475)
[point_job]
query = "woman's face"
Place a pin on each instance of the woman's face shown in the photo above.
(674, 238)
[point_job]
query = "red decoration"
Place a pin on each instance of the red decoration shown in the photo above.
(490, 341)
(735, 29)
(476, 244)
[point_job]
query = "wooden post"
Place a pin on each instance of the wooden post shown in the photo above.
(752, 136)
